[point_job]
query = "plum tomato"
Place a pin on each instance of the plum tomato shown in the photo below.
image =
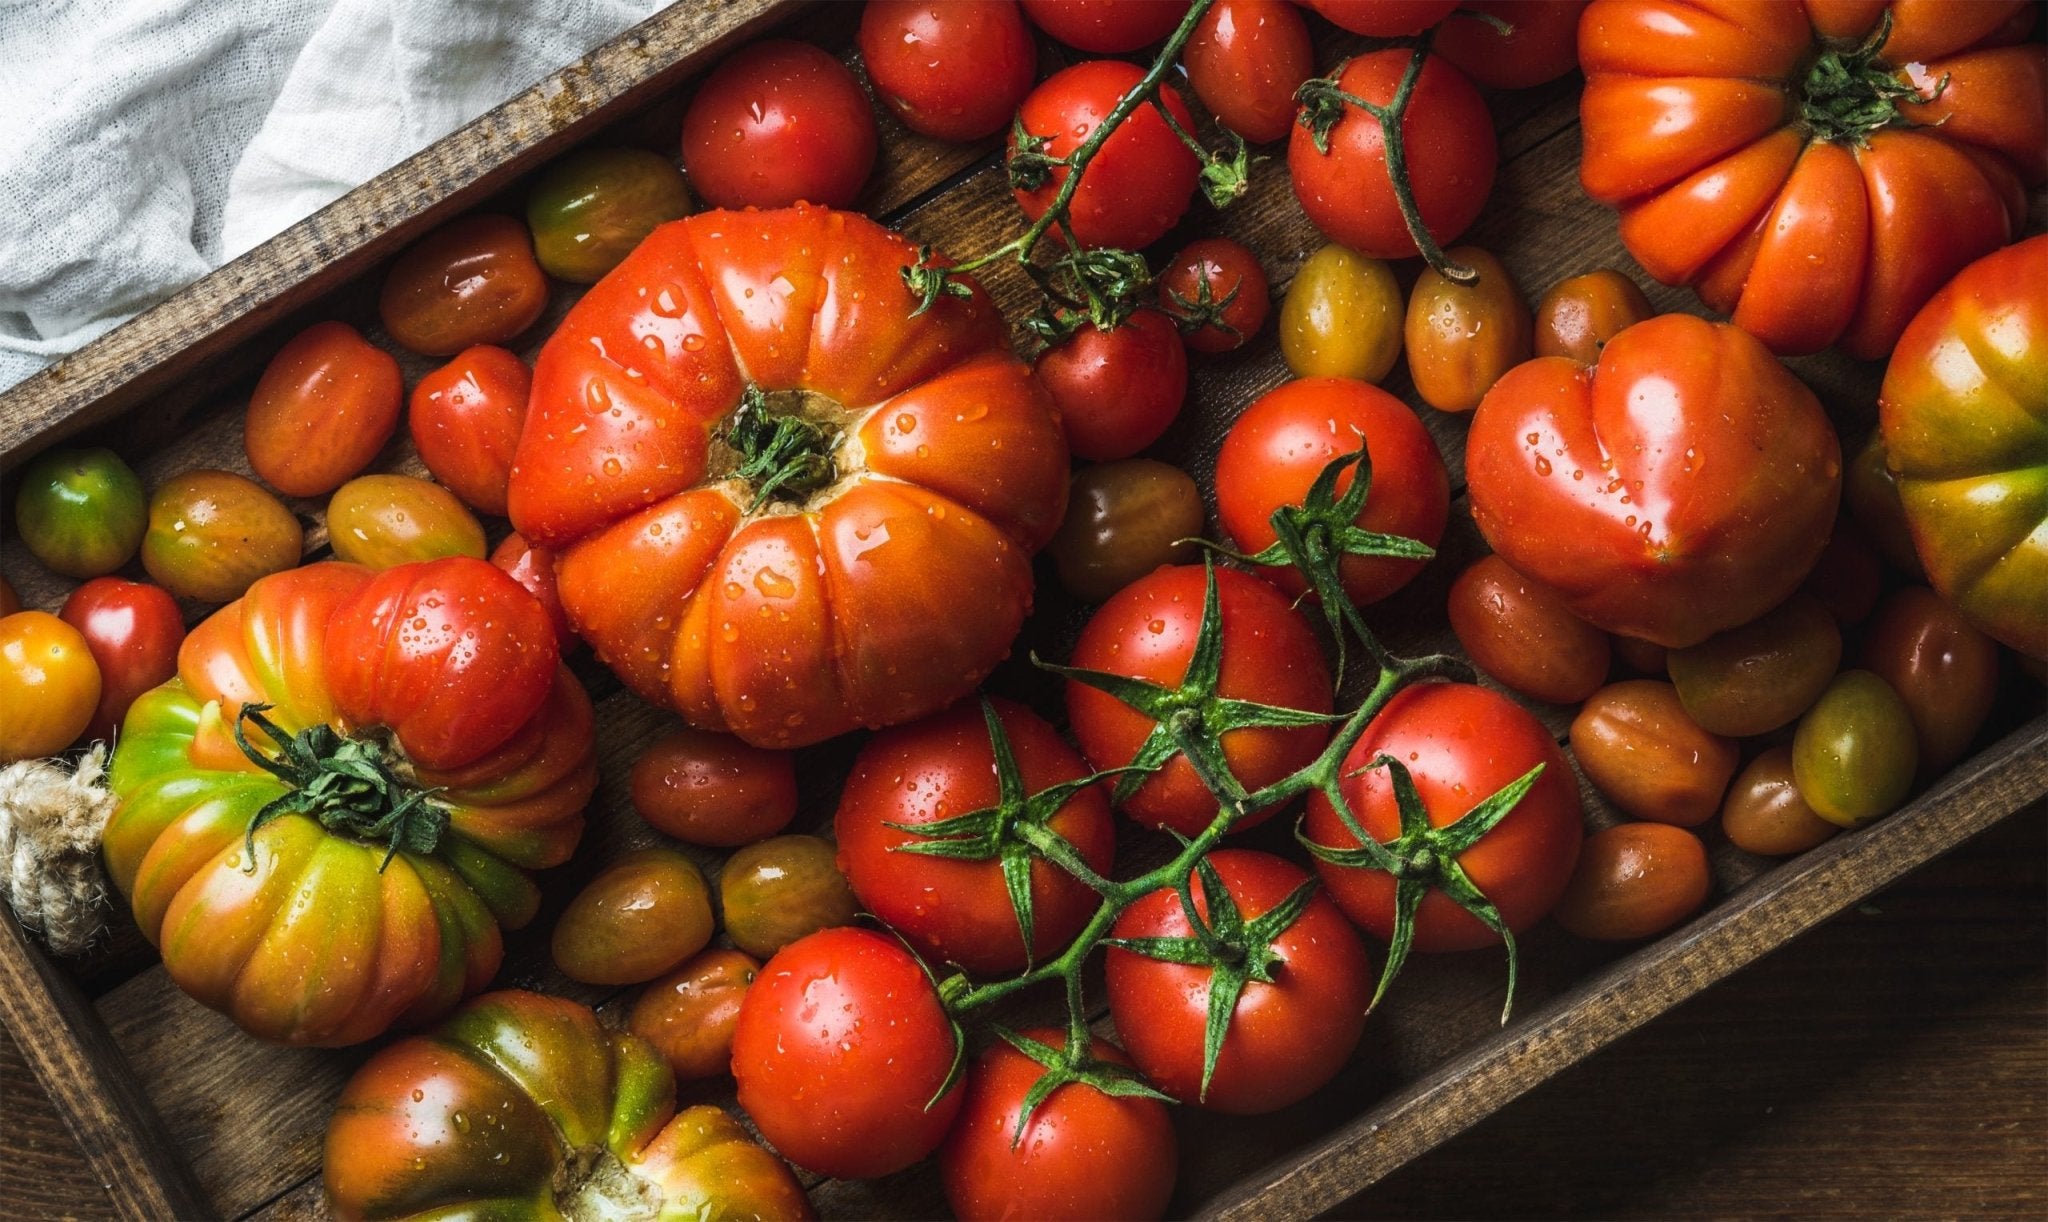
(777, 122)
(1638, 746)
(1462, 338)
(1542, 43)
(465, 420)
(1521, 633)
(1124, 519)
(212, 533)
(49, 685)
(1762, 675)
(81, 512)
(1107, 27)
(1941, 665)
(775, 891)
(379, 521)
(534, 568)
(689, 1014)
(1871, 494)
(1245, 60)
(1634, 881)
(1578, 316)
(909, 784)
(1342, 317)
(840, 1053)
(1116, 390)
(134, 630)
(1848, 576)
(1384, 18)
(1764, 813)
(472, 281)
(641, 916)
(952, 69)
(713, 789)
(1140, 180)
(326, 403)
(589, 209)
(1855, 751)
(1215, 290)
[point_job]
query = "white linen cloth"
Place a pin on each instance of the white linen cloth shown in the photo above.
(145, 142)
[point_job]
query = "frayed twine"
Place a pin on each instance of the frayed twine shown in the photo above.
(51, 819)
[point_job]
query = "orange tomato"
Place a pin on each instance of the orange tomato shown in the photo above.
(326, 403)
(49, 685)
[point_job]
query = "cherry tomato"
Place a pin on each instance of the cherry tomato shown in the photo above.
(1124, 519)
(1578, 316)
(1462, 337)
(1341, 317)
(1245, 60)
(1753, 679)
(841, 1049)
(211, 533)
(465, 422)
(1107, 27)
(1764, 813)
(49, 685)
(383, 520)
(775, 891)
(1447, 132)
(1116, 390)
(326, 403)
(80, 512)
(134, 631)
(954, 69)
(1141, 179)
(1636, 744)
(714, 789)
(779, 121)
(641, 916)
(1542, 44)
(1148, 631)
(1384, 18)
(1871, 492)
(1855, 751)
(472, 281)
(534, 568)
(1083, 1154)
(1282, 442)
(689, 1015)
(1941, 666)
(1216, 290)
(1521, 633)
(1635, 881)
(589, 209)
(1847, 577)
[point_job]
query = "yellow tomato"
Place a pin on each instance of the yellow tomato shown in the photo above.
(49, 685)
(1341, 317)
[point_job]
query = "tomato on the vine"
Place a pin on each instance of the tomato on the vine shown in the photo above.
(1140, 180)
(465, 420)
(1245, 60)
(1216, 290)
(1106, 27)
(776, 122)
(49, 685)
(1117, 390)
(80, 512)
(326, 403)
(954, 69)
(472, 281)
(134, 631)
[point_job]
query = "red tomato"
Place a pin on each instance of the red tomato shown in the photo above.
(1245, 61)
(472, 281)
(954, 69)
(134, 631)
(1452, 155)
(1384, 18)
(1635, 881)
(689, 1015)
(841, 1045)
(465, 422)
(326, 403)
(1942, 667)
(534, 568)
(1521, 633)
(777, 122)
(713, 789)
(1543, 44)
(1141, 179)
(1107, 27)
(1116, 390)
(1216, 290)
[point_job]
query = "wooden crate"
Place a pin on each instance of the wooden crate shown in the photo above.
(182, 1115)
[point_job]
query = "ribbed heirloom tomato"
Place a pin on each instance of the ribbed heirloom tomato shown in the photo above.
(784, 505)
(1140, 181)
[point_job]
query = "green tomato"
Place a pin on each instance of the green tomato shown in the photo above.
(590, 209)
(81, 512)
(1854, 753)
(1755, 678)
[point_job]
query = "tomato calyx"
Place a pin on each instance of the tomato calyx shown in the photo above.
(784, 450)
(1064, 1066)
(1099, 288)
(1205, 309)
(1847, 94)
(349, 785)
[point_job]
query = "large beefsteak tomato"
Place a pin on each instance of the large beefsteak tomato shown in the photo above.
(786, 503)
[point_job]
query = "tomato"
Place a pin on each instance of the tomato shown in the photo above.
(589, 209)
(1636, 744)
(1964, 416)
(316, 923)
(1084, 1154)
(689, 1015)
(1148, 631)
(1125, 519)
(1141, 179)
(1632, 486)
(641, 916)
(1542, 43)
(1281, 443)
(1854, 753)
(1520, 632)
(960, 910)
(713, 789)
(1944, 670)
(1463, 337)
(1342, 317)
(1760, 676)
(472, 281)
(381, 520)
(841, 1049)
(1769, 159)
(212, 533)
(1116, 390)
(1635, 881)
(134, 631)
(1578, 316)
(1447, 132)
(1871, 493)
(776, 891)
(526, 1106)
(1764, 813)
(708, 594)
(1848, 575)
(1384, 18)
(10, 602)
(80, 512)
(1216, 291)
(1107, 27)
(49, 685)
(465, 420)
(776, 122)
(326, 403)
(1245, 60)
(955, 70)
(534, 568)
